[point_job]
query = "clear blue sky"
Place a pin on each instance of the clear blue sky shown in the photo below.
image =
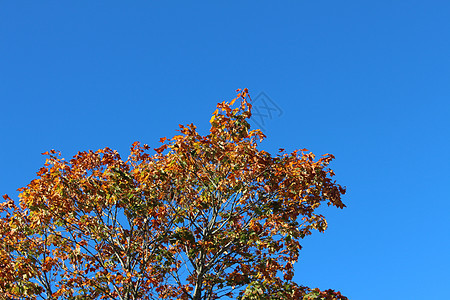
(368, 81)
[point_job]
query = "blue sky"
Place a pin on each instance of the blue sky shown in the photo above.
(368, 81)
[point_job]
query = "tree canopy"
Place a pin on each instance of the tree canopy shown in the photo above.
(201, 218)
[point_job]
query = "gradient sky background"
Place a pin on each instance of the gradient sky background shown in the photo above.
(368, 81)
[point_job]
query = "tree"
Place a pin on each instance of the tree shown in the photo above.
(205, 217)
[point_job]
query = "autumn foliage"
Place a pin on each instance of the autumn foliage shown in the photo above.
(203, 217)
